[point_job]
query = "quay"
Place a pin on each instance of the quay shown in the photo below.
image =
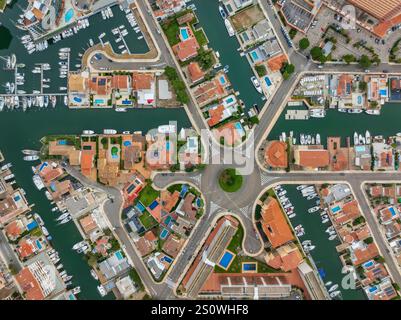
(297, 115)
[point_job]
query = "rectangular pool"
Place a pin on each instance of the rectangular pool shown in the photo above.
(335, 209)
(184, 34)
(249, 266)
(226, 259)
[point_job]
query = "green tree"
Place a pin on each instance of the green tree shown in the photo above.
(303, 43)
(363, 86)
(348, 58)
(317, 54)
(365, 62)
(287, 70)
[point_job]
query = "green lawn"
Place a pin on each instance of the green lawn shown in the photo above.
(229, 181)
(200, 37)
(171, 29)
(148, 194)
(147, 220)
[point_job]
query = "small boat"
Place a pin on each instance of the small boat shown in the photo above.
(31, 158)
(256, 84)
(54, 209)
(333, 288)
(332, 237)
(335, 294)
(367, 137)
(60, 266)
(121, 109)
(76, 290)
(318, 139)
(329, 229)
(309, 248)
(356, 139)
(88, 132)
(109, 131)
(222, 12)
(101, 290)
(327, 284)
(94, 274)
(355, 111)
(68, 219)
(306, 242)
(342, 110)
(292, 215)
(78, 245)
(44, 230)
(313, 209)
(325, 220)
(373, 112)
(63, 216)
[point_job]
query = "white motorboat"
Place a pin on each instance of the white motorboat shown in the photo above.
(312, 196)
(333, 288)
(327, 284)
(48, 195)
(37, 180)
(356, 139)
(30, 152)
(38, 219)
(335, 294)
(325, 220)
(94, 274)
(374, 112)
(31, 158)
(121, 109)
(230, 29)
(78, 245)
(88, 132)
(109, 131)
(332, 237)
(367, 137)
(354, 110)
(101, 290)
(306, 243)
(317, 113)
(76, 290)
(256, 84)
(68, 219)
(44, 230)
(318, 139)
(63, 216)
(292, 215)
(222, 12)
(313, 209)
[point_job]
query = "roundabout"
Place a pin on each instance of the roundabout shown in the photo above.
(229, 180)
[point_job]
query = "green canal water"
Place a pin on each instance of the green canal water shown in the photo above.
(20, 130)
(324, 255)
(240, 70)
(338, 124)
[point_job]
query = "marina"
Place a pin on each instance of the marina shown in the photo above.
(324, 250)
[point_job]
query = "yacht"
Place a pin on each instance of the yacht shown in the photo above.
(68, 219)
(313, 209)
(63, 216)
(109, 131)
(332, 237)
(317, 113)
(367, 137)
(38, 219)
(256, 84)
(101, 290)
(94, 274)
(355, 111)
(230, 29)
(222, 12)
(76, 290)
(88, 132)
(78, 245)
(31, 158)
(9, 177)
(30, 152)
(38, 182)
(333, 288)
(82, 249)
(356, 139)
(44, 230)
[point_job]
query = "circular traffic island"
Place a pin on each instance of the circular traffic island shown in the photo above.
(229, 180)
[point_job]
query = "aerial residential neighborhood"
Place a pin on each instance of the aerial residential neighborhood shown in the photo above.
(223, 151)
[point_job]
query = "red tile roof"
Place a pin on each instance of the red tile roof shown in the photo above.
(30, 285)
(186, 49)
(314, 158)
(195, 72)
(276, 154)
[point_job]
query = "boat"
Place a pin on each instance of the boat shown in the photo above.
(367, 137)
(65, 100)
(88, 132)
(317, 113)
(355, 111)
(222, 12)
(230, 29)
(9, 177)
(78, 245)
(312, 196)
(309, 248)
(76, 290)
(256, 84)
(328, 283)
(31, 158)
(54, 209)
(109, 131)
(37, 180)
(82, 249)
(60, 266)
(335, 294)
(48, 195)
(30, 152)
(38, 219)
(67, 278)
(101, 290)
(329, 229)
(306, 242)
(94, 274)
(373, 112)
(332, 237)
(63, 216)
(313, 209)
(318, 139)
(121, 109)
(69, 283)
(342, 110)
(44, 230)
(292, 215)
(356, 139)
(68, 219)
(325, 220)
(333, 288)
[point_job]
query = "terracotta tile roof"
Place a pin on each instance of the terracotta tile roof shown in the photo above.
(195, 72)
(86, 163)
(173, 245)
(29, 285)
(150, 236)
(169, 200)
(314, 158)
(382, 10)
(142, 81)
(186, 49)
(14, 229)
(274, 223)
(215, 115)
(276, 63)
(120, 81)
(276, 154)
(88, 224)
(365, 254)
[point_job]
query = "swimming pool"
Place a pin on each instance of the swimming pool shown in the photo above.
(167, 259)
(359, 100)
(44, 165)
(38, 244)
(32, 225)
(168, 145)
(127, 143)
(239, 128)
(164, 234)
(368, 264)
(184, 34)
(140, 207)
(268, 82)
(119, 255)
(77, 99)
(392, 211)
(222, 80)
(335, 209)
(62, 142)
(226, 259)
(153, 205)
(359, 148)
(99, 101)
(68, 16)
(168, 219)
(254, 55)
(249, 267)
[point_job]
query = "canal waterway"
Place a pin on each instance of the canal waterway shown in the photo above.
(338, 124)
(19, 130)
(240, 71)
(324, 255)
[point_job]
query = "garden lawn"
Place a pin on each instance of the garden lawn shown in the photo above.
(148, 195)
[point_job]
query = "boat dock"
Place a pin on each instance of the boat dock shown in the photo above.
(297, 115)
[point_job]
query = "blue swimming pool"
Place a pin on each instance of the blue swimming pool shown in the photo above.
(254, 55)
(222, 80)
(373, 289)
(359, 100)
(140, 207)
(68, 16)
(126, 102)
(392, 211)
(226, 259)
(99, 101)
(184, 190)
(268, 82)
(153, 205)
(164, 234)
(368, 264)
(249, 266)
(127, 143)
(335, 209)
(168, 145)
(360, 148)
(77, 99)
(119, 255)
(44, 165)
(167, 259)
(168, 219)
(62, 142)
(38, 244)
(184, 34)
(229, 100)
(32, 225)
(383, 92)
(239, 128)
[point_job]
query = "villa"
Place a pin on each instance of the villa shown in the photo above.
(275, 155)
(166, 8)
(12, 206)
(145, 88)
(311, 157)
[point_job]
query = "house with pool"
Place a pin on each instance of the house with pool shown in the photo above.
(78, 90)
